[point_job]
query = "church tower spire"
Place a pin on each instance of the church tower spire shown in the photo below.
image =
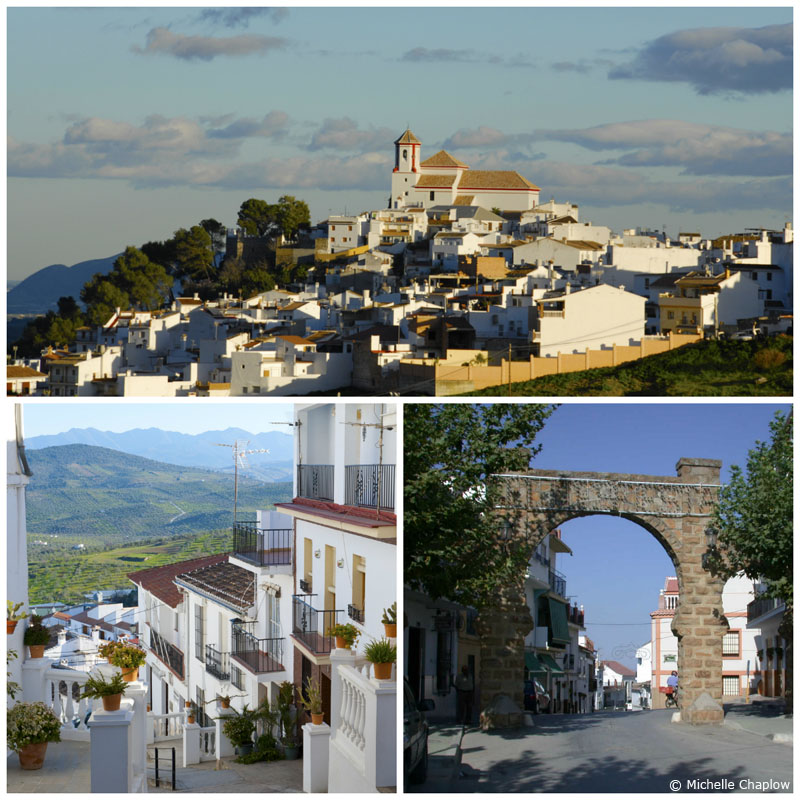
(406, 168)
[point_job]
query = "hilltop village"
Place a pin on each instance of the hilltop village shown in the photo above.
(466, 280)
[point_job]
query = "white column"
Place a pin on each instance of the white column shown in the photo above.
(136, 692)
(316, 752)
(380, 734)
(110, 750)
(338, 656)
(224, 746)
(191, 744)
(33, 680)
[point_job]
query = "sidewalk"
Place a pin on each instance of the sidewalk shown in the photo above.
(443, 769)
(763, 716)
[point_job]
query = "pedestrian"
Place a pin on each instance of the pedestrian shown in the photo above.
(465, 692)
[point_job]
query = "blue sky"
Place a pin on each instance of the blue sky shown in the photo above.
(617, 568)
(184, 417)
(126, 124)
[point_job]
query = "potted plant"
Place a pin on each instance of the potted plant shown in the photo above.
(12, 617)
(312, 702)
(29, 727)
(36, 636)
(128, 657)
(286, 713)
(381, 653)
(346, 635)
(389, 620)
(109, 690)
(191, 713)
(225, 701)
(239, 728)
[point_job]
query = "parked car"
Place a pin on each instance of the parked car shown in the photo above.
(536, 697)
(415, 737)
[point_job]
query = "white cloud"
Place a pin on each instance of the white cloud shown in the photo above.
(205, 48)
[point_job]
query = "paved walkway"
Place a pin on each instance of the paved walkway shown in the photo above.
(763, 716)
(66, 769)
(640, 752)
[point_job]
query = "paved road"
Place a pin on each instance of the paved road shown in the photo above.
(609, 752)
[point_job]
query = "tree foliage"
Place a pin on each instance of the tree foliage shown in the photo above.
(194, 253)
(451, 452)
(754, 516)
(287, 216)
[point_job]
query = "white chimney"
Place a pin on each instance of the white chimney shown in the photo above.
(62, 637)
(95, 633)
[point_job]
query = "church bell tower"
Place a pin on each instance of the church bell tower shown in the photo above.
(406, 168)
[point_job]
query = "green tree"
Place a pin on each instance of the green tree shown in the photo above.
(256, 279)
(217, 231)
(163, 253)
(102, 297)
(194, 253)
(256, 217)
(451, 452)
(292, 215)
(753, 517)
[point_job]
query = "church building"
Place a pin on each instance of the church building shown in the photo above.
(444, 180)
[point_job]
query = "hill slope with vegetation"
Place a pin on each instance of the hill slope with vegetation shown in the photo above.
(711, 368)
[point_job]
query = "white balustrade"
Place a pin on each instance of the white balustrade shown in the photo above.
(166, 726)
(208, 743)
(62, 690)
(354, 707)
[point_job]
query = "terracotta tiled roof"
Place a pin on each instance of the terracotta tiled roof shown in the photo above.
(23, 372)
(231, 584)
(435, 181)
(671, 585)
(85, 619)
(443, 159)
(353, 514)
(407, 138)
(294, 339)
(620, 669)
(494, 179)
(663, 612)
(464, 200)
(61, 615)
(160, 581)
(583, 245)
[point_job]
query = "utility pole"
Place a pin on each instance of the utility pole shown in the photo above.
(239, 454)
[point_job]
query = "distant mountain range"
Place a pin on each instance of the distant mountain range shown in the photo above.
(39, 293)
(103, 495)
(188, 450)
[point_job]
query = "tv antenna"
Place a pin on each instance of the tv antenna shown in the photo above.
(239, 460)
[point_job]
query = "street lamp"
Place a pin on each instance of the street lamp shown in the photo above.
(506, 531)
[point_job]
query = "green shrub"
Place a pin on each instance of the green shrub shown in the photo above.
(31, 723)
(768, 359)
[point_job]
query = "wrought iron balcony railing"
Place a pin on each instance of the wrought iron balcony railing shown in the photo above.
(315, 481)
(760, 606)
(558, 582)
(310, 625)
(575, 615)
(217, 664)
(370, 485)
(265, 547)
(257, 654)
(355, 613)
(168, 653)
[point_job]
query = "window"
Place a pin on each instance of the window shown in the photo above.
(236, 677)
(432, 195)
(199, 633)
(273, 616)
(670, 315)
(359, 582)
(730, 644)
(769, 276)
(730, 685)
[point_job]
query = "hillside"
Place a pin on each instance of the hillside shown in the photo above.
(101, 497)
(705, 369)
(39, 293)
(197, 450)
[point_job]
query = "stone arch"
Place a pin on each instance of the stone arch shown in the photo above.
(676, 510)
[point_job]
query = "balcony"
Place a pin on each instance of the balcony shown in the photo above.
(168, 653)
(762, 605)
(217, 664)
(258, 655)
(355, 613)
(315, 481)
(264, 547)
(310, 625)
(558, 582)
(575, 615)
(370, 485)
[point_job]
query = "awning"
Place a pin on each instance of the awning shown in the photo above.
(533, 666)
(548, 662)
(558, 622)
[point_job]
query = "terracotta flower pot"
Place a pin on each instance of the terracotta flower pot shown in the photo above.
(390, 629)
(111, 702)
(131, 675)
(341, 643)
(32, 755)
(382, 672)
(37, 650)
(317, 719)
(11, 625)
(225, 703)
(187, 703)
(190, 719)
